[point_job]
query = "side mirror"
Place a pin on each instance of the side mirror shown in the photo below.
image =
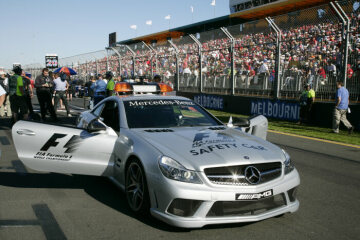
(96, 126)
(241, 122)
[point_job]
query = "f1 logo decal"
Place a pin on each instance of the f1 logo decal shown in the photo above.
(70, 146)
(52, 141)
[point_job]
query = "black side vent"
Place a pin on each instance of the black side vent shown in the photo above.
(217, 128)
(159, 130)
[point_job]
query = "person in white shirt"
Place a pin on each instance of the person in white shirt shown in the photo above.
(264, 68)
(60, 87)
(4, 82)
(263, 72)
(2, 95)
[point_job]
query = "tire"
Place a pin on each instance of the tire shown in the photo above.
(136, 189)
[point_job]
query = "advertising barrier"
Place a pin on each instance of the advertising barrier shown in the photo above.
(210, 101)
(275, 109)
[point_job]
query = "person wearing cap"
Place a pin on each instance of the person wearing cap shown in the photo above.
(4, 83)
(99, 88)
(341, 108)
(17, 92)
(111, 84)
(307, 98)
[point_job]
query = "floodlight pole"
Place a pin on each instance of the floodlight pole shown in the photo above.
(232, 52)
(177, 64)
(345, 37)
(198, 43)
(119, 56)
(278, 55)
(133, 60)
(96, 65)
(107, 60)
(86, 70)
(152, 51)
(156, 60)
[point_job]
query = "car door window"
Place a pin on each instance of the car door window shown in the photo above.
(110, 115)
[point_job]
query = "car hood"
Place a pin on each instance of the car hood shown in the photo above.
(201, 147)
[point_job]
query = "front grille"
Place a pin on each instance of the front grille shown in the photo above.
(235, 175)
(246, 208)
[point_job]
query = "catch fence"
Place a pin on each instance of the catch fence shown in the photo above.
(272, 57)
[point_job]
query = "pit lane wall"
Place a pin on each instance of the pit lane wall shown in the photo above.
(287, 110)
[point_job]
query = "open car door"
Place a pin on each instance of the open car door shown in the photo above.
(256, 125)
(59, 149)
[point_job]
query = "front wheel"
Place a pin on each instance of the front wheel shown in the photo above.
(136, 188)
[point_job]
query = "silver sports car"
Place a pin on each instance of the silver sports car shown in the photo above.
(172, 157)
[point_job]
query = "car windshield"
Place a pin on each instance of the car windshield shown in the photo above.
(164, 113)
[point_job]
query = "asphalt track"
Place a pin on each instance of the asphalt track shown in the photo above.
(37, 205)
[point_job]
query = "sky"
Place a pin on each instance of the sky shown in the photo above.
(30, 29)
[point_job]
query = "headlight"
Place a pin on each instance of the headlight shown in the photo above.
(174, 170)
(288, 165)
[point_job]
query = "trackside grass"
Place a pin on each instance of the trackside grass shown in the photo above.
(303, 130)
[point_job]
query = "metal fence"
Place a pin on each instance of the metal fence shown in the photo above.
(272, 57)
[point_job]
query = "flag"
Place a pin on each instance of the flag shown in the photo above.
(149, 22)
(167, 17)
(192, 9)
(213, 3)
(133, 27)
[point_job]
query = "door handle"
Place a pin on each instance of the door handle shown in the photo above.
(25, 132)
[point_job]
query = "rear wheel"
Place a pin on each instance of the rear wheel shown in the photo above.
(136, 188)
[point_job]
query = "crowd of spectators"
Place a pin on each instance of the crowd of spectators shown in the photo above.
(310, 54)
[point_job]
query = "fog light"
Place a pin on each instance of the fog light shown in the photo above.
(292, 194)
(184, 207)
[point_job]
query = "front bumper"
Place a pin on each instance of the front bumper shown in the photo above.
(208, 194)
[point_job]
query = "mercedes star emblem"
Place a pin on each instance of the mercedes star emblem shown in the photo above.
(252, 175)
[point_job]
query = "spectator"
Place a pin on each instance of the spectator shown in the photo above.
(111, 84)
(60, 87)
(28, 93)
(43, 91)
(349, 72)
(99, 88)
(4, 83)
(16, 91)
(157, 79)
(70, 90)
(307, 99)
(341, 108)
(2, 95)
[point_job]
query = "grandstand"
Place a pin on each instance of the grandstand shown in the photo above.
(247, 57)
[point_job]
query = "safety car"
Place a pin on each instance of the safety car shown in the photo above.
(170, 156)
